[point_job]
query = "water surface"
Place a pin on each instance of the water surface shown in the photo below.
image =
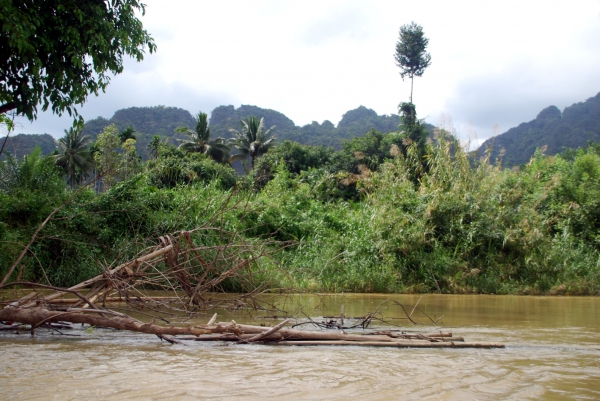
(552, 352)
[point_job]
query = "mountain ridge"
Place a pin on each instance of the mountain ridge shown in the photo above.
(552, 130)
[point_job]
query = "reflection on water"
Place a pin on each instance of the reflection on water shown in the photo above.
(553, 352)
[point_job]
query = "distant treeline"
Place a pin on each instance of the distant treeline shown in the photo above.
(551, 131)
(162, 121)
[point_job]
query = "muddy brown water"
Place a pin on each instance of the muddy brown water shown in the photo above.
(552, 353)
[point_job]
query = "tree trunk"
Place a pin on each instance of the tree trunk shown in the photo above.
(38, 316)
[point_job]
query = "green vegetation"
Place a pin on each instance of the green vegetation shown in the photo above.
(200, 141)
(56, 52)
(354, 220)
(74, 156)
(373, 209)
(252, 141)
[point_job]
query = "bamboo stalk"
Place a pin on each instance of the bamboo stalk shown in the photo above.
(280, 337)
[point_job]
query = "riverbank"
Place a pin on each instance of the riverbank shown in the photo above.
(451, 225)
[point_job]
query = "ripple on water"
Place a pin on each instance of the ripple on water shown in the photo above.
(546, 358)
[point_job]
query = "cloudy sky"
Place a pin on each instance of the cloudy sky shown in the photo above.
(494, 63)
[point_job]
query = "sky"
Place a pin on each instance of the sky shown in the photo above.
(495, 64)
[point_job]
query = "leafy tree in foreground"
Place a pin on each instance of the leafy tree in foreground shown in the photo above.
(74, 156)
(252, 141)
(217, 149)
(57, 52)
(410, 55)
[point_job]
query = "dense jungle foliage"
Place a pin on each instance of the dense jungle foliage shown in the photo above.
(379, 215)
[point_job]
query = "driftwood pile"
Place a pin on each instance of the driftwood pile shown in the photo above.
(242, 334)
(192, 274)
(279, 335)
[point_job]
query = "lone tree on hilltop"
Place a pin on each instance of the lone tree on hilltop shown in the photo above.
(410, 55)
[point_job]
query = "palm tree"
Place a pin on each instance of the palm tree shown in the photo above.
(253, 141)
(74, 155)
(33, 172)
(217, 149)
(127, 134)
(155, 145)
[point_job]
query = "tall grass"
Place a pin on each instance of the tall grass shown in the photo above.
(439, 223)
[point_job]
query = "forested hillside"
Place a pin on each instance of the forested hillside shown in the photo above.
(147, 122)
(162, 121)
(551, 130)
(354, 123)
(23, 144)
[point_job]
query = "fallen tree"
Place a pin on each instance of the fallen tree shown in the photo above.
(233, 332)
(192, 272)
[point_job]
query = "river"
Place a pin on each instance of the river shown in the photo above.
(552, 353)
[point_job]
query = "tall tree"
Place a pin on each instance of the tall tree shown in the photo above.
(252, 141)
(57, 52)
(74, 156)
(410, 55)
(200, 141)
(107, 156)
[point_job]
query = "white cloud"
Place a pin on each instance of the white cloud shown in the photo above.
(493, 62)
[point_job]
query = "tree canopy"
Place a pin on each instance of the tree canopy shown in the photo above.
(57, 52)
(200, 140)
(410, 55)
(253, 140)
(74, 156)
